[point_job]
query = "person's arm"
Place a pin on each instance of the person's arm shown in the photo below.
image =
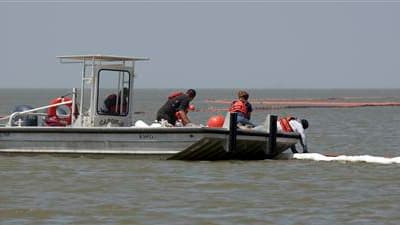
(182, 110)
(304, 144)
(184, 117)
(249, 110)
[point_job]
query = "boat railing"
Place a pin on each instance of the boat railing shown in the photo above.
(32, 111)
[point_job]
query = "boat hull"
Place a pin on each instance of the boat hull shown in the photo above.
(166, 143)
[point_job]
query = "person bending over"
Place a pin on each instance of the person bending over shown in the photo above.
(176, 104)
(292, 124)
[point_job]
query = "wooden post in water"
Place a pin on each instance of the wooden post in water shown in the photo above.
(232, 132)
(273, 119)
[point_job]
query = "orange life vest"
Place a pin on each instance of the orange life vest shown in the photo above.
(175, 94)
(239, 106)
(285, 123)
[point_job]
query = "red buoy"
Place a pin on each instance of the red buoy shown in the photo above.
(216, 121)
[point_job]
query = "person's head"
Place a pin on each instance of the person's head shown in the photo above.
(243, 95)
(304, 123)
(191, 93)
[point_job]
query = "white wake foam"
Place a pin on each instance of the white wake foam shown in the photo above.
(356, 158)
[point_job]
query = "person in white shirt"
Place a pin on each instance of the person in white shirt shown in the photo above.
(292, 124)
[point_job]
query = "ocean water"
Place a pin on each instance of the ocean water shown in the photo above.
(113, 190)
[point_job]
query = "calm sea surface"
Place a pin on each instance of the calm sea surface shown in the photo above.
(64, 190)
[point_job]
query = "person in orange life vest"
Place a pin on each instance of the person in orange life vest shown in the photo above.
(112, 103)
(292, 124)
(176, 104)
(243, 108)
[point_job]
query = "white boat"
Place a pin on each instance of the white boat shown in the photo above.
(88, 128)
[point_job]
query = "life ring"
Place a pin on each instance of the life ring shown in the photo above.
(55, 118)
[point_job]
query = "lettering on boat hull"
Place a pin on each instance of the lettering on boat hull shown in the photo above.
(146, 136)
(104, 122)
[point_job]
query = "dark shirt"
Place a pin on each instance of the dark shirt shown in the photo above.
(168, 110)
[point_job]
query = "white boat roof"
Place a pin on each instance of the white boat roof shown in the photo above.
(97, 57)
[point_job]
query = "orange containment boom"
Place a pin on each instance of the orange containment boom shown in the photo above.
(310, 103)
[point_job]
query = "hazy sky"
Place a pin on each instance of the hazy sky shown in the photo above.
(210, 44)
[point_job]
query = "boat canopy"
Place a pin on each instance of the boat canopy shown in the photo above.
(103, 58)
